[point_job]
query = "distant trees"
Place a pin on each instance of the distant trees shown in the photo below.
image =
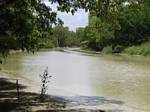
(72, 39)
(60, 34)
(63, 37)
(80, 35)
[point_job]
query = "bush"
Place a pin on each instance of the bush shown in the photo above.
(118, 49)
(107, 50)
(143, 49)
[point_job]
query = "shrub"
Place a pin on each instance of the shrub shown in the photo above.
(107, 50)
(143, 49)
(45, 78)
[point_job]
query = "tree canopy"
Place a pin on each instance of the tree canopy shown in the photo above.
(124, 24)
(27, 24)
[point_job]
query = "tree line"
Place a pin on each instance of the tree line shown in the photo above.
(113, 24)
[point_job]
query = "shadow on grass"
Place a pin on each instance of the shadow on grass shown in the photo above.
(27, 101)
(9, 97)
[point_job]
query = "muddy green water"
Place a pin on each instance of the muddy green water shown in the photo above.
(126, 78)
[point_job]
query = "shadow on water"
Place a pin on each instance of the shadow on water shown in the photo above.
(29, 102)
(83, 102)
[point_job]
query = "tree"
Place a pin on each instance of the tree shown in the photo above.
(98, 34)
(129, 25)
(60, 34)
(80, 34)
(135, 26)
(23, 23)
(63, 37)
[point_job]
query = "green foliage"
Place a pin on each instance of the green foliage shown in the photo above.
(27, 24)
(63, 37)
(90, 39)
(80, 34)
(45, 40)
(72, 40)
(135, 26)
(143, 49)
(22, 24)
(119, 27)
(107, 50)
(118, 49)
(98, 34)
(60, 34)
(110, 49)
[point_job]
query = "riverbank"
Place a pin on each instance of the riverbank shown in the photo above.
(143, 50)
(31, 102)
(27, 102)
(140, 50)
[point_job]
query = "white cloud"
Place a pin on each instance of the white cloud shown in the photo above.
(79, 19)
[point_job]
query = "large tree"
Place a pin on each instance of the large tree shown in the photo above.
(23, 23)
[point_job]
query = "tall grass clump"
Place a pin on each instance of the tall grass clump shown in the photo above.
(107, 50)
(143, 49)
(110, 49)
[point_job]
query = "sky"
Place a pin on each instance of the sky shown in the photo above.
(79, 19)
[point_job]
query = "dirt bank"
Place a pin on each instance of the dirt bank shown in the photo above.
(30, 102)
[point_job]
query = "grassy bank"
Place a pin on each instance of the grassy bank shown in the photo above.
(143, 49)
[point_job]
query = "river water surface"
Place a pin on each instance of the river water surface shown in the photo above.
(125, 78)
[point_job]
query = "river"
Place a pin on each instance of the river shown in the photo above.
(125, 78)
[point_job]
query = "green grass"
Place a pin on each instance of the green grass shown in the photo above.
(143, 49)
(107, 50)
